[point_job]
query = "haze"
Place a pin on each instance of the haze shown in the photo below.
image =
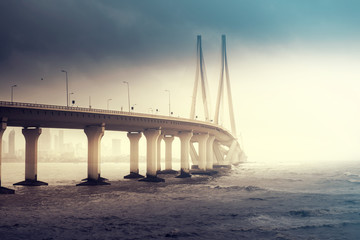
(294, 65)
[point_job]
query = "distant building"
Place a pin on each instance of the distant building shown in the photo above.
(56, 143)
(61, 140)
(116, 147)
(11, 152)
(45, 140)
(80, 151)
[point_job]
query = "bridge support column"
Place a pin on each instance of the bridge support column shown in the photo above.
(94, 135)
(31, 149)
(194, 155)
(219, 156)
(151, 155)
(134, 155)
(2, 130)
(210, 153)
(232, 150)
(185, 148)
(168, 155)
(158, 154)
(202, 138)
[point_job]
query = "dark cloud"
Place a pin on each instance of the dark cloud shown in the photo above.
(37, 32)
(62, 28)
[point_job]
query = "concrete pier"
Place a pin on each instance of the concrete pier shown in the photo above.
(152, 136)
(168, 155)
(206, 155)
(158, 153)
(134, 138)
(185, 148)
(210, 153)
(94, 135)
(3, 190)
(202, 140)
(219, 156)
(31, 152)
(193, 154)
(232, 151)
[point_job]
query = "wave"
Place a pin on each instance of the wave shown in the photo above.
(257, 199)
(349, 174)
(309, 213)
(241, 188)
(302, 219)
(353, 180)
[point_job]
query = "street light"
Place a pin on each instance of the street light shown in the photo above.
(67, 88)
(108, 103)
(12, 92)
(128, 93)
(169, 102)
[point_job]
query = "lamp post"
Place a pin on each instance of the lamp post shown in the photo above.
(67, 88)
(169, 102)
(108, 103)
(12, 92)
(128, 93)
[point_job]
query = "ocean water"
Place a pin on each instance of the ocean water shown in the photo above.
(250, 201)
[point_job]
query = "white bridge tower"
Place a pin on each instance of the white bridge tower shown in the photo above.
(224, 153)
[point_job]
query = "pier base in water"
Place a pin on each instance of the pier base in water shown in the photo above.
(150, 178)
(133, 175)
(183, 174)
(4, 190)
(30, 182)
(93, 182)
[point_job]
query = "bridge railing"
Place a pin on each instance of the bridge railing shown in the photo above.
(89, 110)
(77, 109)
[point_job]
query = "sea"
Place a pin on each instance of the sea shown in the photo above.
(253, 200)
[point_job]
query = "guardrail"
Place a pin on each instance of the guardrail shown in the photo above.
(93, 110)
(78, 109)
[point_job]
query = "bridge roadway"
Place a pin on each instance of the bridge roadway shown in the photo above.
(216, 144)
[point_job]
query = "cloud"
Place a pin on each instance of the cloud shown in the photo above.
(137, 29)
(37, 36)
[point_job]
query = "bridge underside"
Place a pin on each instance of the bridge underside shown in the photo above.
(216, 145)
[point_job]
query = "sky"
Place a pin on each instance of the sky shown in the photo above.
(294, 65)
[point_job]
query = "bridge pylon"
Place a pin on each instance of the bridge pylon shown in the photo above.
(200, 74)
(224, 74)
(218, 152)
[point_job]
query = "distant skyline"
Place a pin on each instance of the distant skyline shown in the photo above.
(294, 65)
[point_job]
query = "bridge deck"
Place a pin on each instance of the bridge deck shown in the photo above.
(52, 116)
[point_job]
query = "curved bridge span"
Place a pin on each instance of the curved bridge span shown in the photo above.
(217, 146)
(52, 116)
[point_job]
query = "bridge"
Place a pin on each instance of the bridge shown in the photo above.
(217, 146)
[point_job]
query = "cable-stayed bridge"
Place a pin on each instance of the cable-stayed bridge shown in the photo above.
(217, 146)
